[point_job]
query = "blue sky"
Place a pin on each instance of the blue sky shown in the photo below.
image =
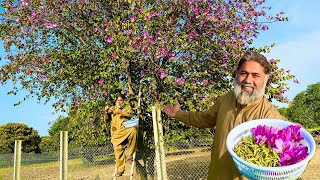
(297, 47)
(297, 42)
(35, 115)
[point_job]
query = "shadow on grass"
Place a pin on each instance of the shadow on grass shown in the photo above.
(191, 168)
(179, 153)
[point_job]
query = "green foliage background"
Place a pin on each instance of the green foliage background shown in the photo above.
(18, 131)
(305, 107)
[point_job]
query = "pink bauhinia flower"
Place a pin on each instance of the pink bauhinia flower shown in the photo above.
(50, 25)
(132, 18)
(25, 31)
(163, 48)
(271, 61)
(180, 81)
(282, 146)
(285, 142)
(192, 35)
(145, 35)
(109, 39)
(163, 75)
(143, 73)
(100, 81)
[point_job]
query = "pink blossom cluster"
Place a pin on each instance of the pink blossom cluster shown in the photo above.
(169, 35)
(286, 142)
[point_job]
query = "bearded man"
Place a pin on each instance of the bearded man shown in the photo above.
(122, 138)
(247, 102)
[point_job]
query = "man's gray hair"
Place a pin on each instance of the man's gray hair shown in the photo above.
(259, 58)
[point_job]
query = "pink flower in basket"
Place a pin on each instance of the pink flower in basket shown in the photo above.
(294, 145)
(286, 142)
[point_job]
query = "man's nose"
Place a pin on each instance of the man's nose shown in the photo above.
(248, 79)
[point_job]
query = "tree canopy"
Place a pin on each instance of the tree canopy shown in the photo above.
(81, 51)
(305, 107)
(18, 131)
(87, 127)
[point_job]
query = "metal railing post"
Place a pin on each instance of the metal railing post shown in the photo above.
(161, 144)
(17, 159)
(63, 155)
(156, 142)
(159, 148)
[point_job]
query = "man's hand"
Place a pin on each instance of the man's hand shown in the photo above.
(117, 111)
(170, 110)
(108, 111)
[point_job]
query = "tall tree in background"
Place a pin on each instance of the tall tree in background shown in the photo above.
(87, 127)
(18, 131)
(52, 141)
(49, 144)
(305, 107)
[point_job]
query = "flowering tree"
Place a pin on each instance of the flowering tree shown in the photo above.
(83, 51)
(80, 51)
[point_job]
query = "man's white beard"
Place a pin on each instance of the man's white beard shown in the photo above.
(118, 105)
(243, 97)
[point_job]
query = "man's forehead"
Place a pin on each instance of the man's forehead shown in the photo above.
(252, 67)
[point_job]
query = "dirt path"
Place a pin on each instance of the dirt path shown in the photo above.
(182, 165)
(312, 171)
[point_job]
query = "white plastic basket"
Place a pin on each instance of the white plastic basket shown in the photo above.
(253, 171)
(133, 122)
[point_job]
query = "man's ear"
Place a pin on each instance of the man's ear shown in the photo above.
(268, 79)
